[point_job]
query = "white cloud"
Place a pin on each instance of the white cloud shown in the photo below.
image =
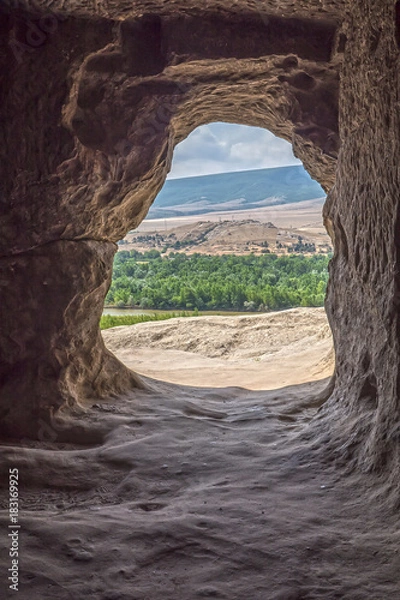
(222, 147)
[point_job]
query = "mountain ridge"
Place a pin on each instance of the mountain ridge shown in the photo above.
(238, 190)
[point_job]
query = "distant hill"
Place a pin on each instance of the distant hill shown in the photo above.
(229, 237)
(240, 190)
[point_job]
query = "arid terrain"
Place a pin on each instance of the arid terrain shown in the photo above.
(278, 229)
(267, 352)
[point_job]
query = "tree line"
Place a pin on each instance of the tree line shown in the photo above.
(227, 282)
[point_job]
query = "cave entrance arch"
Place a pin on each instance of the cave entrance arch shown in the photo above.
(112, 122)
(212, 215)
(87, 144)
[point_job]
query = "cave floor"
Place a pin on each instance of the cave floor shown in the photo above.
(198, 493)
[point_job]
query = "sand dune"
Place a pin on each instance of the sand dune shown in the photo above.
(265, 351)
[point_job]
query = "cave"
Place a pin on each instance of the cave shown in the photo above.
(98, 138)
(94, 98)
(220, 199)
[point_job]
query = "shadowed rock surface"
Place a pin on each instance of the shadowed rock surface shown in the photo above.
(362, 215)
(94, 95)
(94, 98)
(93, 102)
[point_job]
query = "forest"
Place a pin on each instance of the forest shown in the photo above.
(224, 282)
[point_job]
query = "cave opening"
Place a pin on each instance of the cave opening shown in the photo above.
(123, 103)
(185, 492)
(234, 235)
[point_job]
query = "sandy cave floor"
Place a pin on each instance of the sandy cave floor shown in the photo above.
(196, 492)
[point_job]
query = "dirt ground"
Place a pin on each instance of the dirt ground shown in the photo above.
(257, 352)
(202, 491)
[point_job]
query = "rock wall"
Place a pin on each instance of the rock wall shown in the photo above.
(92, 103)
(362, 213)
(94, 97)
(53, 355)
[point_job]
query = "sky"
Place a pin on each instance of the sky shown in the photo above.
(222, 147)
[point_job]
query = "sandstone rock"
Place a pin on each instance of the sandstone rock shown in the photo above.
(93, 101)
(362, 212)
(94, 97)
(52, 352)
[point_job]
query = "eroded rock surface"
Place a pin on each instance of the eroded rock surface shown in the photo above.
(94, 97)
(100, 116)
(363, 214)
(53, 355)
